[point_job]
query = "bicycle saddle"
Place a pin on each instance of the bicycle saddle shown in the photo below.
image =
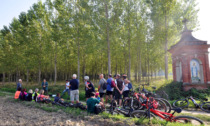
(178, 110)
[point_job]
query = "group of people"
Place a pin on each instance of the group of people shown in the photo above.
(116, 88)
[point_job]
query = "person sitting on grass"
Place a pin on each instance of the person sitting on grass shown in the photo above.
(23, 94)
(97, 96)
(17, 93)
(41, 97)
(29, 95)
(58, 98)
(35, 94)
(92, 102)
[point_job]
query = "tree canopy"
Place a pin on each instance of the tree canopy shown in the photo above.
(57, 38)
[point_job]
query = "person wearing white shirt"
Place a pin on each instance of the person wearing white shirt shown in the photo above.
(66, 88)
(126, 89)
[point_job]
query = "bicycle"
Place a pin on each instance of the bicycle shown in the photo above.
(164, 115)
(184, 103)
(113, 106)
(156, 96)
(137, 101)
(205, 107)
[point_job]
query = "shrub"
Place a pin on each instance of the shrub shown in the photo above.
(175, 91)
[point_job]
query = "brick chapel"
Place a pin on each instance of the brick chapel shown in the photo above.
(190, 61)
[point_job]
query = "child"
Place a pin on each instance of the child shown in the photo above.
(97, 96)
(35, 94)
(23, 94)
(17, 93)
(29, 95)
(42, 97)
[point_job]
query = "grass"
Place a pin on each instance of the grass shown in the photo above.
(115, 118)
(53, 89)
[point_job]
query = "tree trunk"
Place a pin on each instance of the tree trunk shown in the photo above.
(166, 48)
(116, 66)
(136, 73)
(17, 76)
(27, 78)
(78, 55)
(129, 47)
(55, 78)
(9, 78)
(39, 72)
(125, 67)
(3, 81)
(140, 71)
(107, 38)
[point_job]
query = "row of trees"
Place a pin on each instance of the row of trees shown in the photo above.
(57, 38)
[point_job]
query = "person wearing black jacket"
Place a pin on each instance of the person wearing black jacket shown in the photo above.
(74, 86)
(88, 87)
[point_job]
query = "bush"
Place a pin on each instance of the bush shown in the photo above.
(175, 91)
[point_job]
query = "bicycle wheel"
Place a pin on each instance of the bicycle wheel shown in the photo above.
(112, 107)
(168, 105)
(141, 114)
(205, 107)
(161, 105)
(188, 120)
(181, 103)
(127, 104)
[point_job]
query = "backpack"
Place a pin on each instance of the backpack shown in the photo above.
(104, 86)
(97, 109)
(91, 85)
(130, 86)
(113, 84)
(22, 96)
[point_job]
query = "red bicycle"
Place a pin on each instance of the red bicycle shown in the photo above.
(138, 101)
(151, 112)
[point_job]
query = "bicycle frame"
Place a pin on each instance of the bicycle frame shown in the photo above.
(163, 114)
(193, 100)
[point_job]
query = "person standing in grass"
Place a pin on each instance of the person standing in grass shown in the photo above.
(19, 84)
(45, 86)
(66, 89)
(109, 90)
(119, 90)
(102, 91)
(88, 87)
(74, 85)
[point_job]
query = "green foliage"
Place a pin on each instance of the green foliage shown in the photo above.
(57, 38)
(175, 91)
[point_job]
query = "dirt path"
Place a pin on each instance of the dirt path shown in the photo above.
(18, 114)
(193, 112)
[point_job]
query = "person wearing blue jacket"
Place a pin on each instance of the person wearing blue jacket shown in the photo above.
(19, 84)
(45, 86)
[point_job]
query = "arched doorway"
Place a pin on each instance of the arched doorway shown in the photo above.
(196, 70)
(178, 71)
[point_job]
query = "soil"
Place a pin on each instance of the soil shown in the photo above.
(17, 114)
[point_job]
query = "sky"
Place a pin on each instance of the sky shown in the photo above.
(12, 8)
